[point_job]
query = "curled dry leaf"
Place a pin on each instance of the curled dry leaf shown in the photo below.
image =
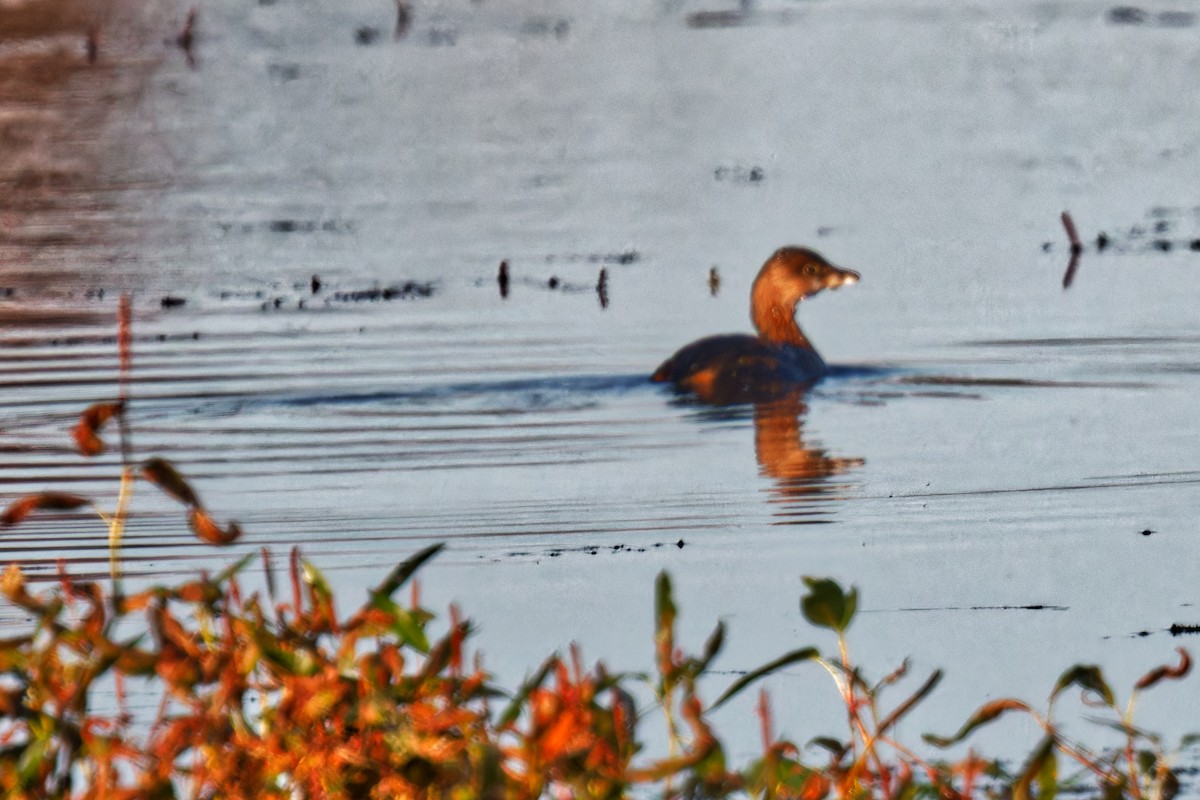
(1166, 671)
(49, 501)
(209, 531)
(86, 432)
(162, 474)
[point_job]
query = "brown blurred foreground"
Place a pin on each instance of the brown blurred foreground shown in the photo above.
(68, 70)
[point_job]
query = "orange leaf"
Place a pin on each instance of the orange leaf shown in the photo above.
(207, 530)
(51, 501)
(90, 422)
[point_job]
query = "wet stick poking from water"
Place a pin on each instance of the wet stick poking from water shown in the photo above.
(187, 37)
(1076, 249)
(404, 16)
(602, 288)
(502, 280)
(714, 282)
(92, 45)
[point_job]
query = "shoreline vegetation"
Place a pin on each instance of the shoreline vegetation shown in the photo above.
(277, 694)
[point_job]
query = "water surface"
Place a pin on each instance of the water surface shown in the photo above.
(983, 462)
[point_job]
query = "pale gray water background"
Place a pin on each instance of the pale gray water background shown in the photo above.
(1015, 439)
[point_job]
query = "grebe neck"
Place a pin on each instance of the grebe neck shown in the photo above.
(774, 320)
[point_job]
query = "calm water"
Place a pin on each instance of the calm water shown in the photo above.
(988, 441)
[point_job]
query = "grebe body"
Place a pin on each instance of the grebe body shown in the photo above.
(742, 368)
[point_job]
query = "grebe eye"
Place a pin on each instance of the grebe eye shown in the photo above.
(810, 269)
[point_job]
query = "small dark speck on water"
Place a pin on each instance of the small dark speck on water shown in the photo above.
(714, 281)
(1101, 241)
(315, 284)
(1046, 247)
(553, 282)
(366, 35)
(1126, 15)
(680, 544)
(1142, 634)
(1195, 245)
(1147, 532)
(170, 301)
(1162, 244)
(1176, 19)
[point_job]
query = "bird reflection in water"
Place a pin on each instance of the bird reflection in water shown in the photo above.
(771, 371)
(800, 471)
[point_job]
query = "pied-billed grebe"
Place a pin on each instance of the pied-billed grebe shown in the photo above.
(739, 367)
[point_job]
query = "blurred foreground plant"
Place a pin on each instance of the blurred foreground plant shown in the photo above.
(263, 695)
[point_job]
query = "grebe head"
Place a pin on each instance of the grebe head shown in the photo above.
(794, 273)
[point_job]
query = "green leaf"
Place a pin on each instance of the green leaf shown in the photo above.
(837, 748)
(29, 765)
(1089, 678)
(664, 606)
(314, 578)
(402, 572)
(527, 688)
(1126, 729)
(1041, 768)
(917, 696)
(985, 714)
(410, 630)
(804, 654)
(827, 605)
(664, 633)
(234, 568)
(711, 648)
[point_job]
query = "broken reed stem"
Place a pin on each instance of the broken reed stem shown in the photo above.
(116, 526)
(1072, 234)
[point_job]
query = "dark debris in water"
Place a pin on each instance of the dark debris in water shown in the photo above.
(594, 550)
(740, 174)
(1132, 15)
(301, 295)
(284, 73)
(1030, 607)
(623, 257)
(406, 291)
(366, 35)
(288, 225)
(1165, 230)
(1179, 629)
(544, 27)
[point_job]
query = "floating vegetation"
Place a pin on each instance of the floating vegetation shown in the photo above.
(740, 174)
